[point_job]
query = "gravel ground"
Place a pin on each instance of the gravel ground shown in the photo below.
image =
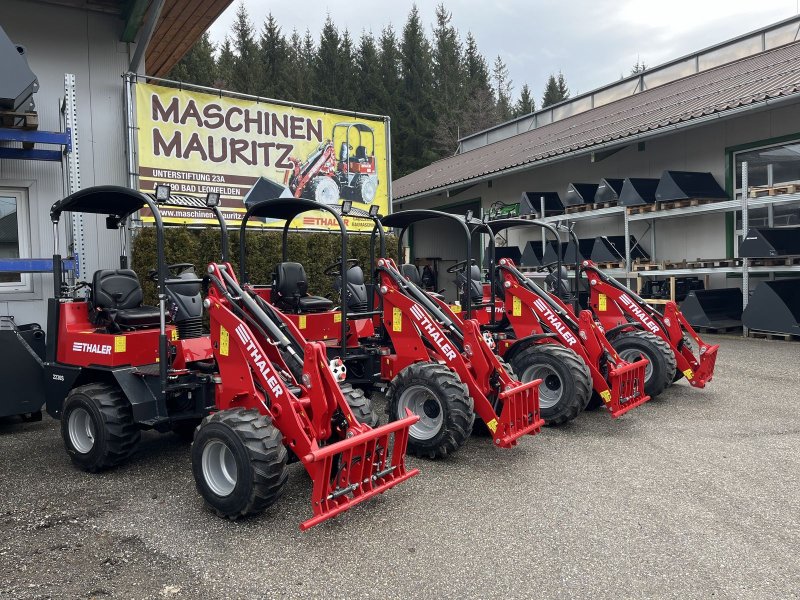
(692, 495)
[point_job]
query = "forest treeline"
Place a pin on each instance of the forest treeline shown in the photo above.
(433, 82)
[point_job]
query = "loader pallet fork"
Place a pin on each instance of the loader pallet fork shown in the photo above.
(348, 461)
(533, 312)
(421, 330)
(619, 308)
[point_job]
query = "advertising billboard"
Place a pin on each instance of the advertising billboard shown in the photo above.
(198, 143)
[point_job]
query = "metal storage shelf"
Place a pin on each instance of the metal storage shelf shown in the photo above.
(715, 207)
(588, 214)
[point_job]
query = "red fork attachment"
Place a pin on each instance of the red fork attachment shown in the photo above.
(520, 414)
(627, 388)
(698, 371)
(357, 468)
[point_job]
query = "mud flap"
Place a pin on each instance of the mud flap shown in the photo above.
(627, 388)
(520, 414)
(357, 468)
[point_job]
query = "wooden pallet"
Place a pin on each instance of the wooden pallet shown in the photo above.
(19, 120)
(775, 261)
(659, 206)
(611, 265)
(644, 267)
(774, 190)
(771, 335)
(578, 208)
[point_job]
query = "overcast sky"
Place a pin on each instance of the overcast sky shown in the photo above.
(591, 41)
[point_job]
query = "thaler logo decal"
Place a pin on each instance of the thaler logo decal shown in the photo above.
(91, 348)
(639, 313)
(259, 361)
(434, 332)
(555, 322)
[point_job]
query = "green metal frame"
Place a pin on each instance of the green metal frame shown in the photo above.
(730, 218)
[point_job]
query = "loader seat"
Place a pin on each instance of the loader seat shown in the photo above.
(290, 290)
(117, 301)
(475, 285)
(356, 293)
(361, 154)
(411, 272)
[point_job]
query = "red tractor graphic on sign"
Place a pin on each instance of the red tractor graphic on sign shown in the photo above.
(326, 177)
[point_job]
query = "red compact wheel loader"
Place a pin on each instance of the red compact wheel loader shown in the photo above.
(620, 309)
(352, 174)
(440, 369)
(534, 329)
(251, 394)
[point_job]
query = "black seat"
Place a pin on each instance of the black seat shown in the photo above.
(361, 154)
(117, 301)
(290, 290)
(411, 272)
(356, 294)
(475, 285)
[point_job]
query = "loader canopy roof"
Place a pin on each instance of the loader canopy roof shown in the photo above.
(502, 224)
(104, 200)
(405, 218)
(359, 126)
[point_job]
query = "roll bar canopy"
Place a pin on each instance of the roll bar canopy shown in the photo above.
(112, 200)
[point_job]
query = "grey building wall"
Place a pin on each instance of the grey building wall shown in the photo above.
(63, 40)
(698, 149)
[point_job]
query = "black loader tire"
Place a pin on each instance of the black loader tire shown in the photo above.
(479, 427)
(257, 449)
(450, 400)
(113, 435)
(360, 405)
(657, 351)
(567, 371)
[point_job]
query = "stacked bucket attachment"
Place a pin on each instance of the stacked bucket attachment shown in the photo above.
(616, 306)
(266, 365)
(424, 329)
(535, 314)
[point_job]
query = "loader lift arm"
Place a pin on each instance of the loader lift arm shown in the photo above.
(348, 462)
(616, 306)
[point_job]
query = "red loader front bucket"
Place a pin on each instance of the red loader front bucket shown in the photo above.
(520, 414)
(627, 388)
(357, 468)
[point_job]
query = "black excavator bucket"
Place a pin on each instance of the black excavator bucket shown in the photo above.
(531, 204)
(580, 193)
(21, 370)
(511, 252)
(774, 307)
(532, 255)
(608, 190)
(584, 251)
(611, 248)
(714, 309)
(761, 242)
(682, 185)
(638, 190)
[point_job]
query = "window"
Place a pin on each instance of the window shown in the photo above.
(776, 166)
(14, 238)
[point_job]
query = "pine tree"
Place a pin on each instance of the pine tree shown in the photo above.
(415, 113)
(225, 65)
(246, 74)
(555, 91)
(503, 88)
(448, 82)
(479, 109)
(525, 104)
(347, 86)
(274, 53)
(198, 65)
(389, 68)
(327, 67)
(369, 89)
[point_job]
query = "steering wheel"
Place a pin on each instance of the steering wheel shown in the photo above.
(461, 266)
(548, 267)
(334, 270)
(83, 284)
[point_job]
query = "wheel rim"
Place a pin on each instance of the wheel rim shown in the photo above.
(81, 430)
(551, 389)
(631, 355)
(368, 189)
(219, 468)
(421, 400)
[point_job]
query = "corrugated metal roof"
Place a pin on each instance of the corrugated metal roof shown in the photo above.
(752, 80)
